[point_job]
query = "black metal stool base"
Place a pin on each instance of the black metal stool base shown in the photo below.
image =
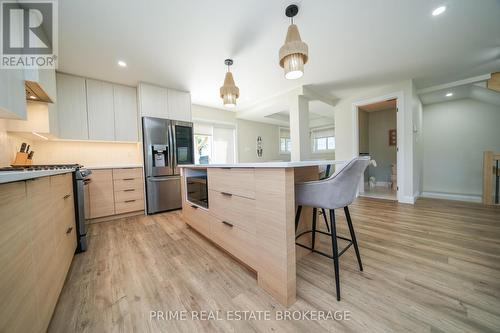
(333, 234)
(319, 252)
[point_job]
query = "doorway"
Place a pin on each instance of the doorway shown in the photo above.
(377, 137)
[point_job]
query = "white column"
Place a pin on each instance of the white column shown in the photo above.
(299, 128)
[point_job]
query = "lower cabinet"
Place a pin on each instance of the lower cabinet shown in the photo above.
(115, 191)
(37, 244)
(229, 222)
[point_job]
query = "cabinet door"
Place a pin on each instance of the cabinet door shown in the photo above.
(101, 195)
(42, 210)
(12, 94)
(17, 276)
(153, 101)
(72, 107)
(126, 117)
(100, 110)
(179, 105)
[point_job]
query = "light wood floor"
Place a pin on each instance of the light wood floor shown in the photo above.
(431, 267)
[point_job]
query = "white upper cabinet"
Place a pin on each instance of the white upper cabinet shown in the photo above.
(100, 108)
(126, 118)
(72, 107)
(179, 105)
(12, 94)
(153, 101)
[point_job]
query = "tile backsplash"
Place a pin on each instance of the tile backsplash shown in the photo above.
(60, 152)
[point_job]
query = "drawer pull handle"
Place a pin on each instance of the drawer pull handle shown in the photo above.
(66, 196)
(226, 168)
(226, 194)
(69, 230)
(193, 206)
(130, 190)
(129, 201)
(128, 178)
(228, 224)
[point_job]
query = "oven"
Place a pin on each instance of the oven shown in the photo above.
(81, 183)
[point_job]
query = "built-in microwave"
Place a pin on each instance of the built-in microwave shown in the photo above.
(197, 188)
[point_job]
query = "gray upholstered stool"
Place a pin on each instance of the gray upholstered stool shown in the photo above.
(336, 191)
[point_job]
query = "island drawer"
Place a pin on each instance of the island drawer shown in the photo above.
(197, 218)
(236, 181)
(238, 242)
(239, 211)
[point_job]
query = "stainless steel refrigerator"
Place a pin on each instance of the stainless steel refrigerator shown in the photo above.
(167, 144)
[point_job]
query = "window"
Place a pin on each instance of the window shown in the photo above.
(214, 143)
(323, 139)
(285, 141)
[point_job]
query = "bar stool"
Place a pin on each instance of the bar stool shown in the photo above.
(337, 191)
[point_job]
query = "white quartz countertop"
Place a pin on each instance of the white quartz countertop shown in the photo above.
(265, 164)
(14, 176)
(117, 166)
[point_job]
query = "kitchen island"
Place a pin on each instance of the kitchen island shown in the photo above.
(248, 209)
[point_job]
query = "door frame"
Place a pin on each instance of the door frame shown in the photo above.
(400, 114)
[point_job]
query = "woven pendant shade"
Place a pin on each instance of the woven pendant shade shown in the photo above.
(229, 92)
(294, 53)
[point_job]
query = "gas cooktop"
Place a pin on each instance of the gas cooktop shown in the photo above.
(41, 167)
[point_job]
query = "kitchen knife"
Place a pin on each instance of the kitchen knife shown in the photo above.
(23, 147)
(30, 155)
(27, 149)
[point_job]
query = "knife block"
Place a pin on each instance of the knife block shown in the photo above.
(21, 159)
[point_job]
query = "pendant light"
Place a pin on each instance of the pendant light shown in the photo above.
(229, 92)
(294, 53)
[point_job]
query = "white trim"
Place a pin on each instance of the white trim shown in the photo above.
(400, 115)
(463, 82)
(451, 196)
(406, 199)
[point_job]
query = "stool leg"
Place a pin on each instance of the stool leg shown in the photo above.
(353, 236)
(335, 252)
(297, 217)
(315, 213)
(326, 221)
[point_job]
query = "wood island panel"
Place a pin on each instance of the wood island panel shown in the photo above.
(258, 206)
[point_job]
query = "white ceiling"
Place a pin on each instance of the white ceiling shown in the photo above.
(183, 43)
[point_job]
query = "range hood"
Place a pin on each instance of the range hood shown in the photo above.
(35, 92)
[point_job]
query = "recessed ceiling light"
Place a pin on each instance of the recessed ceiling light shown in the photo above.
(449, 94)
(32, 96)
(439, 11)
(122, 63)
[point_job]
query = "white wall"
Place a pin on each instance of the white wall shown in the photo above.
(455, 135)
(379, 124)
(347, 141)
(247, 142)
(208, 114)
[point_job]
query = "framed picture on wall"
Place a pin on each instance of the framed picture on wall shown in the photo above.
(393, 137)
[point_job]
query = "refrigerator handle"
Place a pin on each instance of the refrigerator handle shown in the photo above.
(173, 152)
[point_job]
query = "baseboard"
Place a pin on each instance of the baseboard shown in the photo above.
(451, 196)
(407, 199)
(114, 217)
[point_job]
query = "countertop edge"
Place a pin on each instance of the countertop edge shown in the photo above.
(265, 164)
(13, 176)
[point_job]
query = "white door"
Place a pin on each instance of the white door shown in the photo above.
(100, 110)
(153, 101)
(72, 107)
(179, 105)
(125, 102)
